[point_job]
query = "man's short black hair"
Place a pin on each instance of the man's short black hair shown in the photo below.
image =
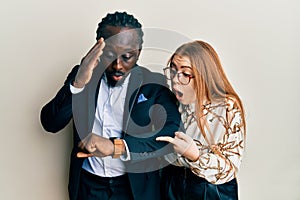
(120, 19)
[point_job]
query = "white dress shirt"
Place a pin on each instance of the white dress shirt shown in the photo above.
(108, 123)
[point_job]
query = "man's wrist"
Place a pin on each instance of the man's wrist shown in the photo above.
(78, 84)
(119, 147)
(75, 90)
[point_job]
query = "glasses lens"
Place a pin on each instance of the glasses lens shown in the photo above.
(184, 80)
(171, 73)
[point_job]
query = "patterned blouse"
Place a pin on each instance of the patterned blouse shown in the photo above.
(222, 150)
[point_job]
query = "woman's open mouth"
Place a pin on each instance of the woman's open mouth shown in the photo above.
(178, 94)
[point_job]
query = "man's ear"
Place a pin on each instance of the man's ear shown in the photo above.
(139, 53)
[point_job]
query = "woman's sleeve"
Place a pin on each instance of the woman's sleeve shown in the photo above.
(219, 163)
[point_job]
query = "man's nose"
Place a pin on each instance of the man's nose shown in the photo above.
(118, 64)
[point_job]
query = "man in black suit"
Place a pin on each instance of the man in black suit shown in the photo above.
(118, 109)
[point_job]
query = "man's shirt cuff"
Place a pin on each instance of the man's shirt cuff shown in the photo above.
(125, 157)
(75, 90)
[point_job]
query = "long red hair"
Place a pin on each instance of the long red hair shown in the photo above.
(211, 82)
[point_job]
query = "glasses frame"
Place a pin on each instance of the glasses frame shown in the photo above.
(178, 75)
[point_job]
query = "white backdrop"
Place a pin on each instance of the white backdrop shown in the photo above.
(258, 42)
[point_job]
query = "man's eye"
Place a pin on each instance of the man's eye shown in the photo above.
(126, 57)
(109, 55)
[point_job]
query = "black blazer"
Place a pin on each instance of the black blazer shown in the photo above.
(142, 123)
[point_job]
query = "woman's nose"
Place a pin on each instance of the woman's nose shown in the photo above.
(175, 79)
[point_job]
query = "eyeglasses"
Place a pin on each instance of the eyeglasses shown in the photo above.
(182, 77)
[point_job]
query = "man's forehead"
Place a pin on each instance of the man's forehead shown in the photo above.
(113, 33)
(122, 38)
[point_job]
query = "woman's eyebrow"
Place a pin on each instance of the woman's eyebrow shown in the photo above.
(186, 66)
(172, 64)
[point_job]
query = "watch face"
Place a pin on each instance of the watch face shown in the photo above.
(118, 146)
(118, 141)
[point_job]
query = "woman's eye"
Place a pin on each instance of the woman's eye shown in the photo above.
(173, 71)
(186, 74)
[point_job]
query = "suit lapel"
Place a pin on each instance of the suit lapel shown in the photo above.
(134, 85)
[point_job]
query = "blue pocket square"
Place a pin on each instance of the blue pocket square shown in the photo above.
(141, 98)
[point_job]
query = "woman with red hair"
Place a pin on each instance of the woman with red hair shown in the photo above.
(208, 155)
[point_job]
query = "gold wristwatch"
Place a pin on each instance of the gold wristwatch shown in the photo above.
(118, 146)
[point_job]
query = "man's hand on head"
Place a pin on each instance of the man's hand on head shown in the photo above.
(88, 64)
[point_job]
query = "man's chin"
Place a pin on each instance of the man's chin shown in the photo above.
(113, 80)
